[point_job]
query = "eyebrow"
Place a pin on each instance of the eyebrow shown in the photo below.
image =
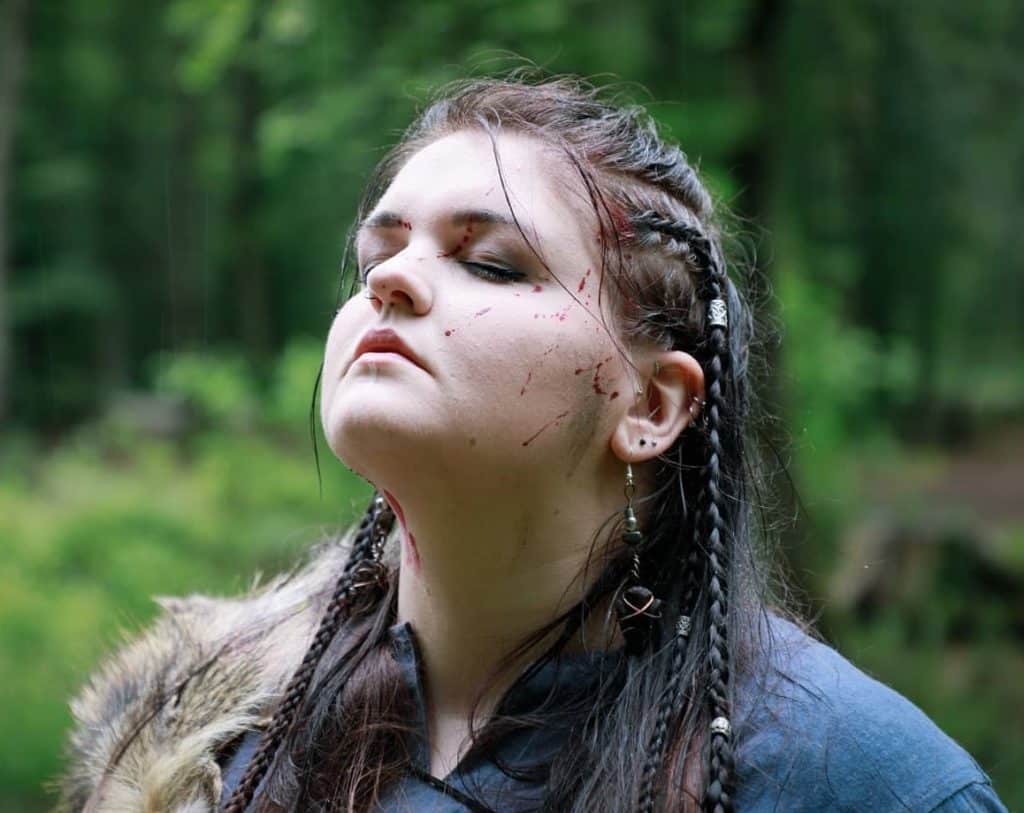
(462, 217)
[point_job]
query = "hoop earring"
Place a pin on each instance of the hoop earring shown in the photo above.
(635, 607)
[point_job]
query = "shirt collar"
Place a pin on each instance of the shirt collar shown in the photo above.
(553, 683)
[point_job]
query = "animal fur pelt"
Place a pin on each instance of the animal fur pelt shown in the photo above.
(151, 721)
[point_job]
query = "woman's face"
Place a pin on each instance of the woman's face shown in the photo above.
(517, 369)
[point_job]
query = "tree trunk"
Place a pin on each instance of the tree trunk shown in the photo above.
(12, 57)
(250, 269)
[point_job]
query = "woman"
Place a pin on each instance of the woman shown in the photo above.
(555, 600)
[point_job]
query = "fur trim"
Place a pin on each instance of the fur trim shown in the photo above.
(150, 723)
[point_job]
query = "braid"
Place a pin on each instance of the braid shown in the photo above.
(362, 569)
(671, 706)
(718, 796)
(691, 244)
(685, 240)
(674, 696)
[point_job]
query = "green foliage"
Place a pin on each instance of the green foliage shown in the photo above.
(97, 527)
(184, 178)
(219, 385)
(291, 392)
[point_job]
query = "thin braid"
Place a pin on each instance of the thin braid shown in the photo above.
(671, 705)
(709, 523)
(360, 570)
(693, 238)
(673, 699)
(718, 795)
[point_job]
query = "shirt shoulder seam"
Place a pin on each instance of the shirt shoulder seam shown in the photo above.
(978, 781)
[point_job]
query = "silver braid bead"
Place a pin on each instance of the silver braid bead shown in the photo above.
(718, 314)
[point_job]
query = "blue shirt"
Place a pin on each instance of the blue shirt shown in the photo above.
(815, 734)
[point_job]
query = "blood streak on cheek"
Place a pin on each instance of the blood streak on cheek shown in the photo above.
(411, 553)
(583, 282)
(526, 383)
(529, 373)
(596, 383)
(554, 421)
(560, 315)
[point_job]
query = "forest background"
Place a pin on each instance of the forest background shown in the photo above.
(176, 181)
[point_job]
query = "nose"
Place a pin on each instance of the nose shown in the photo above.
(396, 283)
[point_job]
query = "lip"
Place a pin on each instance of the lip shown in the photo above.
(385, 340)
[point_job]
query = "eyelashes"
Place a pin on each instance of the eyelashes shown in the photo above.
(495, 273)
(487, 271)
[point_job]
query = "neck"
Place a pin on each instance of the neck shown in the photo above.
(479, 574)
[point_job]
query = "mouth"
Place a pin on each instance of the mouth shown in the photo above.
(383, 344)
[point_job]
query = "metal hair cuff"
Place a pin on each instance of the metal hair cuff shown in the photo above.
(683, 626)
(717, 313)
(720, 725)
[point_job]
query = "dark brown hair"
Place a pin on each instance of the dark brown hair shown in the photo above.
(645, 741)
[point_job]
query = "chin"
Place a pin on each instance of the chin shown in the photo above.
(369, 440)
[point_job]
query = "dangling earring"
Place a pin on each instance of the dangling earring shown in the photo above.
(370, 575)
(636, 607)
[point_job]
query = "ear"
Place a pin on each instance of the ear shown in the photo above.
(670, 401)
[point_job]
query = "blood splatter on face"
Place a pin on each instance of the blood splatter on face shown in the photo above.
(410, 552)
(553, 422)
(466, 236)
(487, 341)
(526, 383)
(596, 383)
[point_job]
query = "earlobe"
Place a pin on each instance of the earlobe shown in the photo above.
(669, 403)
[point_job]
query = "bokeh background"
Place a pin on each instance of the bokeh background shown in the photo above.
(176, 180)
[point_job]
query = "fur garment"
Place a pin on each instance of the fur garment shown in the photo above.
(151, 722)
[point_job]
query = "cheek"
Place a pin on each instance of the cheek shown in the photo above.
(573, 363)
(339, 339)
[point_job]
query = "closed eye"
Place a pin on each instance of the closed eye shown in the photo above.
(495, 273)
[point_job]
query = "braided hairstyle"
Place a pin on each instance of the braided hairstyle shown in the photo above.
(356, 591)
(662, 738)
(709, 525)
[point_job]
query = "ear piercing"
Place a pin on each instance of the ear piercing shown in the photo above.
(695, 409)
